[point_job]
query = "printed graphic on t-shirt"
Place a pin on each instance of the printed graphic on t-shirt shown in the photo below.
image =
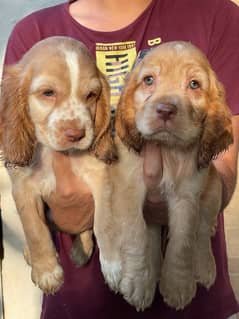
(155, 41)
(115, 60)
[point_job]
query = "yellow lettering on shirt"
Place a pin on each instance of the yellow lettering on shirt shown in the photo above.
(115, 60)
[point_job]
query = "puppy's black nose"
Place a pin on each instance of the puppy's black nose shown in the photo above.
(74, 135)
(166, 111)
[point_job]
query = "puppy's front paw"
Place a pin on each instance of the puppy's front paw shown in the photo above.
(138, 290)
(81, 255)
(177, 289)
(49, 277)
(112, 271)
(82, 248)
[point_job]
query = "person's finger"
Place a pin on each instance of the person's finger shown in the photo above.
(152, 166)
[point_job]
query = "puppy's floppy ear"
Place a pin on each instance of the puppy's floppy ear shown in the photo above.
(125, 118)
(217, 132)
(17, 130)
(104, 147)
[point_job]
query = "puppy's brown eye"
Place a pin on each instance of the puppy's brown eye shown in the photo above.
(91, 95)
(149, 80)
(48, 93)
(193, 84)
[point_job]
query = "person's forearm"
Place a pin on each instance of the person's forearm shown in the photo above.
(228, 179)
(155, 209)
(226, 165)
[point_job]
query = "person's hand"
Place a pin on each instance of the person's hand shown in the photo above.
(155, 208)
(71, 204)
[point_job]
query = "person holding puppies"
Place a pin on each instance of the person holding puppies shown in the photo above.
(116, 32)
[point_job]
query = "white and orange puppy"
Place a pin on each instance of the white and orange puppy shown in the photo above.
(172, 98)
(55, 99)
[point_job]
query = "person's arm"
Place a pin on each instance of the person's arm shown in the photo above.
(226, 165)
(224, 57)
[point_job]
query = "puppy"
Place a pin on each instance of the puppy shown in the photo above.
(55, 99)
(173, 99)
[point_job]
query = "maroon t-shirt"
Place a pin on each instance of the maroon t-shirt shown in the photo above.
(212, 25)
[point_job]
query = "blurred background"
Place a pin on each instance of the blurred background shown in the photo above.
(13, 11)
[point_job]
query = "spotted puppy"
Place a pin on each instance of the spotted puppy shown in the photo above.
(55, 99)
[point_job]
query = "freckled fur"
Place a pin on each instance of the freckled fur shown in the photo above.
(33, 126)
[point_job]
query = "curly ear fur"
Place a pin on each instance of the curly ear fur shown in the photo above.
(217, 134)
(104, 147)
(125, 117)
(17, 130)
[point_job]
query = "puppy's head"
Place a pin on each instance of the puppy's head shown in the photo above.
(172, 97)
(57, 97)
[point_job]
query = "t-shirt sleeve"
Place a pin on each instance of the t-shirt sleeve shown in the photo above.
(23, 36)
(224, 50)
